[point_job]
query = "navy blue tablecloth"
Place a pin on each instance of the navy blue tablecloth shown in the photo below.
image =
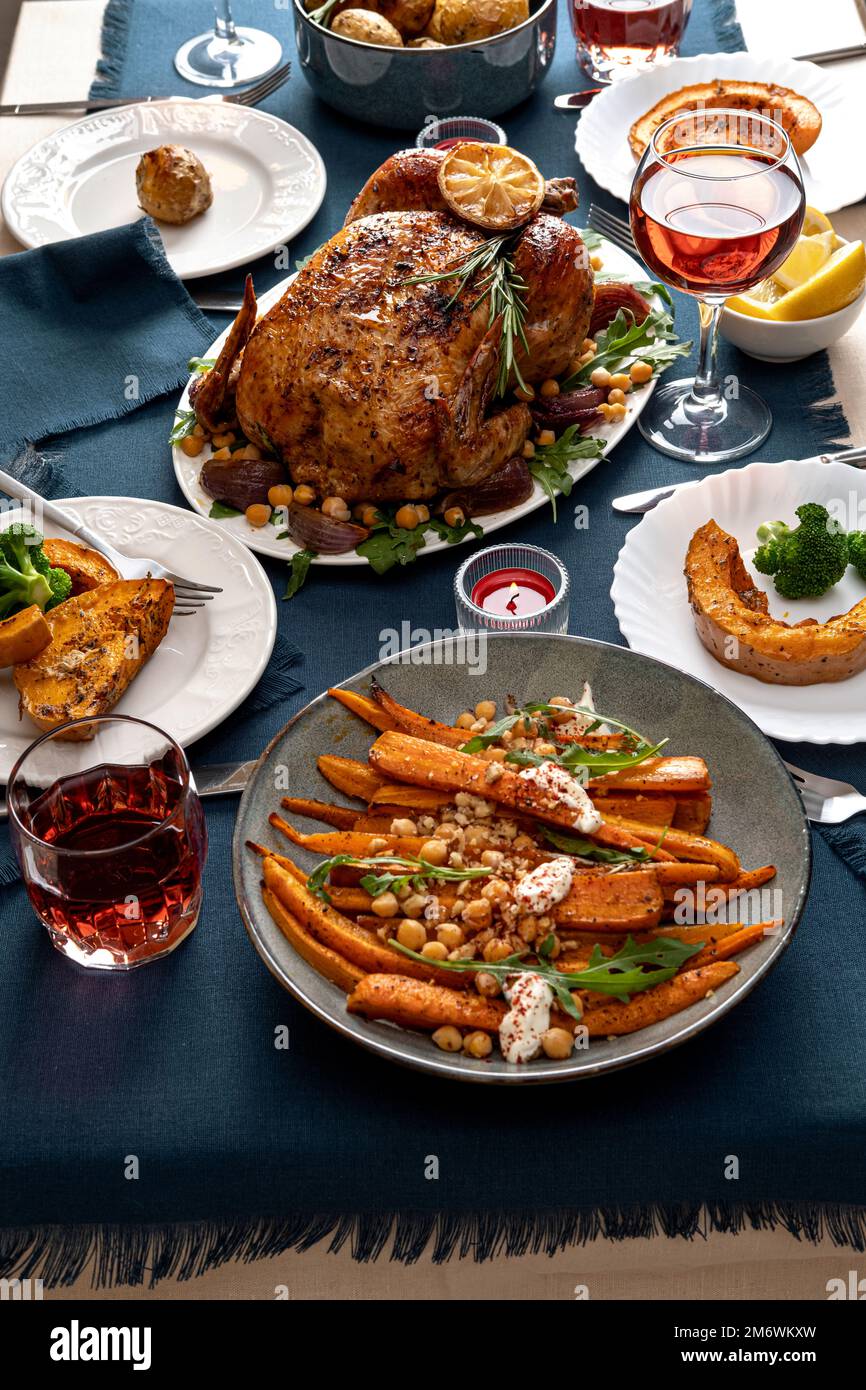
(244, 1148)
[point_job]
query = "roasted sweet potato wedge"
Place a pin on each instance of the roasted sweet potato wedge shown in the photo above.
(329, 963)
(670, 775)
(86, 568)
(364, 707)
(612, 1019)
(415, 1004)
(349, 776)
(342, 817)
(99, 642)
(23, 636)
(418, 725)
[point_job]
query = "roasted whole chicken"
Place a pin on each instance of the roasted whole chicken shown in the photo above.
(370, 385)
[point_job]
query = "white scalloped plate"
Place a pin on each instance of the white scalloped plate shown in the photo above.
(268, 181)
(205, 665)
(264, 539)
(834, 171)
(652, 606)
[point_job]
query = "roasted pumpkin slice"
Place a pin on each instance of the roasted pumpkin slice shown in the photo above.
(99, 642)
(732, 620)
(23, 636)
(800, 118)
(86, 568)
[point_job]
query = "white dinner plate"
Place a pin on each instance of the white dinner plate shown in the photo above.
(652, 606)
(205, 665)
(268, 181)
(834, 170)
(264, 539)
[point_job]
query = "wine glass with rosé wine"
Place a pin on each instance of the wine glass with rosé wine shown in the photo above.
(616, 38)
(717, 204)
(111, 839)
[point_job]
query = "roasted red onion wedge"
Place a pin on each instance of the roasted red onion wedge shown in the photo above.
(568, 408)
(241, 484)
(312, 530)
(507, 487)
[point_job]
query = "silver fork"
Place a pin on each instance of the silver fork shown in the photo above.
(190, 592)
(826, 801)
(616, 229)
(251, 97)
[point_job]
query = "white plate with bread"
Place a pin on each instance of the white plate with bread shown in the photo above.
(202, 666)
(610, 129)
(651, 599)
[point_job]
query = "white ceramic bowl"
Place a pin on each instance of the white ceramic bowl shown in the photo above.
(788, 342)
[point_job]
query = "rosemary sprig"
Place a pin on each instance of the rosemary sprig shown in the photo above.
(489, 268)
(620, 975)
(323, 13)
(416, 873)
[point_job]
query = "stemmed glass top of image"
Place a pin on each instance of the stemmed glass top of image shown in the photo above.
(717, 204)
(228, 56)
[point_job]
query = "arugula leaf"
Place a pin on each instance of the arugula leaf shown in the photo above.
(586, 849)
(415, 873)
(454, 534)
(300, 568)
(184, 424)
(219, 511)
(624, 341)
(391, 545)
(590, 238)
(200, 364)
(549, 463)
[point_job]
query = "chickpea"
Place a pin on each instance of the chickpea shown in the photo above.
(280, 495)
(589, 345)
(477, 1044)
(557, 1044)
(496, 950)
(423, 512)
(448, 1038)
(492, 859)
(434, 950)
(620, 382)
(225, 453)
(304, 496)
(528, 450)
(336, 508)
(600, 377)
(191, 444)
(640, 372)
(366, 513)
(407, 517)
(550, 387)
(487, 984)
(494, 755)
(604, 411)
(447, 831)
(455, 516)
(585, 358)
(617, 412)
(434, 852)
(525, 393)
(250, 452)
(403, 826)
(495, 890)
(414, 905)
(411, 934)
(385, 905)
(546, 437)
(200, 432)
(478, 914)
(258, 514)
(616, 397)
(223, 440)
(485, 709)
(450, 935)
(596, 262)
(465, 720)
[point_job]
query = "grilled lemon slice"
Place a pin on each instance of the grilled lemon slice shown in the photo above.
(492, 186)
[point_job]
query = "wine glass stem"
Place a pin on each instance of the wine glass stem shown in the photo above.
(706, 385)
(224, 23)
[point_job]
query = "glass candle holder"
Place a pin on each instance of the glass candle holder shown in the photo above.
(442, 133)
(512, 588)
(111, 839)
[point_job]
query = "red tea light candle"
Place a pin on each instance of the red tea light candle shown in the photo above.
(515, 593)
(512, 588)
(444, 132)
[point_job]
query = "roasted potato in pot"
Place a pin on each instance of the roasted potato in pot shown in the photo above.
(173, 185)
(367, 27)
(466, 21)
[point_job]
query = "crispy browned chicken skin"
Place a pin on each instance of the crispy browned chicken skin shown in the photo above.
(371, 387)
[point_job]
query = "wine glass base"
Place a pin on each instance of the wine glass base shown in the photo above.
(214, 61)
(676, 424)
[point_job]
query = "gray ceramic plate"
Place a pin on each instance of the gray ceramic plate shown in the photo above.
(756, 810)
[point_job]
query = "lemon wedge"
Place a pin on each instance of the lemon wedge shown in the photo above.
(836, 283)
(806, 259)
(816, 222)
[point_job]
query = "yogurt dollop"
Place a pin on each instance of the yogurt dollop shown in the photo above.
(521, 1030)
(545, 886)
(564, 790)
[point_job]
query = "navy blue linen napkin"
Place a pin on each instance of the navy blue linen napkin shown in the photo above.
(101, 325)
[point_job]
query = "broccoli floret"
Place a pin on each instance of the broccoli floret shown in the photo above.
(26, 574)
(857, 551)
(807, 560)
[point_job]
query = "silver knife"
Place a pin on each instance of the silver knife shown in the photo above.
(211, 779)
(637, 502)
(575, 101)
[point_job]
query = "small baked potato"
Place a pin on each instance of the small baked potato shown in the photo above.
(466, 21)
(173, 185)
(367, 27)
